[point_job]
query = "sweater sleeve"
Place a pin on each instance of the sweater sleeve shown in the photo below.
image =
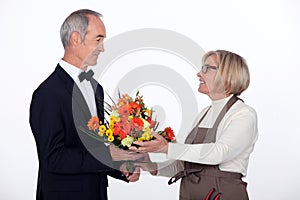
(238, 133)
(169, 168)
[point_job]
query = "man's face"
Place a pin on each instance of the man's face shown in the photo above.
(93, 44)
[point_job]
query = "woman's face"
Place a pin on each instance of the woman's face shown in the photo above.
(207, 85)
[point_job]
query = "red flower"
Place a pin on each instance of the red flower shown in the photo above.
(169, 133)
(137, 123)
(122, 134)
(151, 122)
(118, 130)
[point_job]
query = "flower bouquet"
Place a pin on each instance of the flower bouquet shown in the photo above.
(129, 120)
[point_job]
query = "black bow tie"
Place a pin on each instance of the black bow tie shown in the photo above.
(86, 75)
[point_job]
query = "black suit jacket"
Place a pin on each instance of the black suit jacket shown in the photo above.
(72, 165)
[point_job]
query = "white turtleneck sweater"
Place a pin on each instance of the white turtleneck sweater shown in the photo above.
(235, 139)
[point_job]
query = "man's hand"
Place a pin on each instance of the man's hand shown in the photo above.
(131, 177)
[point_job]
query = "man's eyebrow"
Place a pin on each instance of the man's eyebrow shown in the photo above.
(100, 36)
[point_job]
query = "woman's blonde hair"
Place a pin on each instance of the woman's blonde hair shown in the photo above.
(233, 73)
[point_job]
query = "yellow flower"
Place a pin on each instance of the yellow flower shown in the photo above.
(147, 130)
(110, 138)
(147, 136)
(140, 139)
(114, 118)
(111, 126)
(127, 141)
(100, 133)
(102, 128)
(130, 117)
(109, 132)
(148, 112)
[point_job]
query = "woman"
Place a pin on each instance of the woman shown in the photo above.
(216, 153)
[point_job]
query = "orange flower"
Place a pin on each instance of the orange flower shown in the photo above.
(124, 100)
(93, 123)
(135, 105)
(134, 108)
(124, 110)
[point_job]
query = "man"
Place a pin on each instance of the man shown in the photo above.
(72, 165)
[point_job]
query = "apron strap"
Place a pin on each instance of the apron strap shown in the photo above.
(211, 136)
(185, 173)
(189, 139)
(176, 177)
(228, 105)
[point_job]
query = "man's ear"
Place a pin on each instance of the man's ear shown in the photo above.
(75, 39)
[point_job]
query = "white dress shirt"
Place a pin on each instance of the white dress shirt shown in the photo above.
(84, 86)
(235, 139)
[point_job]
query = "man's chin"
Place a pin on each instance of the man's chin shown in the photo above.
(93, 63)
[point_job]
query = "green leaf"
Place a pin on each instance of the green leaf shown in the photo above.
(111, 99)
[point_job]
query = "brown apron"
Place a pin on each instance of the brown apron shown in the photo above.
(199, 179)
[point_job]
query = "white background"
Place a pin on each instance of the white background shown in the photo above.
(266, 33)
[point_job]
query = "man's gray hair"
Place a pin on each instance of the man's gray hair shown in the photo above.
(76, 22)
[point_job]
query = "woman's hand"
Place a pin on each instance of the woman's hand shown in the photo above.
(158, 145)
(118, 154)
(149, 167)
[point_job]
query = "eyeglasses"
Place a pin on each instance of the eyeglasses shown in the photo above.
(207, 66)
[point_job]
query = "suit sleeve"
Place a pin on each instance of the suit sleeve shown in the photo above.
(48, 123)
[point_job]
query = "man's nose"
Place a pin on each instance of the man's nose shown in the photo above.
(101, 47)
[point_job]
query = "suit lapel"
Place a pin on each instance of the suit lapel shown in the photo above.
(99, 98)
(78, 100)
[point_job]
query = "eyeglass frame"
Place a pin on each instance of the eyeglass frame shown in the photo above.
(205, 67)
